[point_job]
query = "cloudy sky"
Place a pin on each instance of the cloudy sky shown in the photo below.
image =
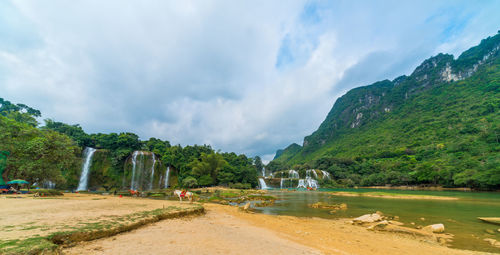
(243, 76)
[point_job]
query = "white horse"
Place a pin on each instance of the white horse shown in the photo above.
(188, 194)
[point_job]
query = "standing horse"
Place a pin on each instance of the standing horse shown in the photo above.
(180, 194)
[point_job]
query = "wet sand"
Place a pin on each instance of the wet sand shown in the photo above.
(227, 230)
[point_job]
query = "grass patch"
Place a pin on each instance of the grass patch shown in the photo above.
(34, 245)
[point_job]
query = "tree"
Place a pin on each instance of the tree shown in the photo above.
(210, 164)
(189, 182)
(36, 155)
(258, 164)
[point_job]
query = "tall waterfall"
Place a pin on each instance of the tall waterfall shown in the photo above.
(263, 171)
(152, 172)
(84, 176)
(133, 183)
(281, 183)
(262, 183)
(167, 175)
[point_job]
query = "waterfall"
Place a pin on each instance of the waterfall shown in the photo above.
(263, 171)
(326, 175)
(308, 182)
(152, 172)
(84, 176)
(133, 183)
(281, 183)
(293, 174)
(312, 183)
(302, 184)
(167, 175)
(263, 184)
(308, 173)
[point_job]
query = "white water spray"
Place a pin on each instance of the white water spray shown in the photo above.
(326, 175)
(133, 185)
(302, 184)
(167, 175)
(293, 174)
(262, 183)
(84, 176)
(152, 172)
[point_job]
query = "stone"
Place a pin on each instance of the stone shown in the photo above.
(434, 228)
(492, 242)
(379, 225)
(422, 219)
(368, 218)
(397, 223)
(247, 206)
(490, 231)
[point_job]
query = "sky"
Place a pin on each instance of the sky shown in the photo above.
(244, 76)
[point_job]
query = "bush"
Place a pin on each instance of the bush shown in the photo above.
(240, 185)
(189, 182)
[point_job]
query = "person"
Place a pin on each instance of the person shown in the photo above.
(183, 193)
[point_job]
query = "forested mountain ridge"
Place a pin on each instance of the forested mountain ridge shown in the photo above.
(439, 125)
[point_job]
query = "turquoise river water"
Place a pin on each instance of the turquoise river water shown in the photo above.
(458, 216)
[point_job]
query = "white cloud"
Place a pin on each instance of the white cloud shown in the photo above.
(206, 71)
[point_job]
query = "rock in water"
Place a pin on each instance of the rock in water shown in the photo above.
(247, 206)
(490, 231)
(435, 228)
(493, 242)
(368, 218)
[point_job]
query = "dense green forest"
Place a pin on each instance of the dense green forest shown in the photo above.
(438, 126)
(52, 152)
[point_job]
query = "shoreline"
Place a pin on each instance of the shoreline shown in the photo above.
(228, 230)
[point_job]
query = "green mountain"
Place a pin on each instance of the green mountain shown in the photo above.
(440, 125)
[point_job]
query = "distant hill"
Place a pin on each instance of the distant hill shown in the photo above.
(439, 125)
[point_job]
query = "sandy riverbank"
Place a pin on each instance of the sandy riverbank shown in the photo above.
(227, 230)
(31, 224)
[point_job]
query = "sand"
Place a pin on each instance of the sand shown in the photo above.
(227, 230)
(25, 216)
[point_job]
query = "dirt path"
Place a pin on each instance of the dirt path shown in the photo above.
(227, 230)
(214, 233)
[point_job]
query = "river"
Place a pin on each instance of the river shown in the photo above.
(458, 216)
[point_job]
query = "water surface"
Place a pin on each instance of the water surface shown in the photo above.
(458, 216)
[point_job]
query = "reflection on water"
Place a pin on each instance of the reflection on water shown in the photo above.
(458, 216)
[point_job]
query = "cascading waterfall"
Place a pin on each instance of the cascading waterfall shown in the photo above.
(308, 173)
(281, 183)
(308, 182)
(167, 175)
(263, 172)
(84, 176)
(262, 183)
(302, 184)
(293, 174)
(152, 172)
(312, 183)
(326, 175)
